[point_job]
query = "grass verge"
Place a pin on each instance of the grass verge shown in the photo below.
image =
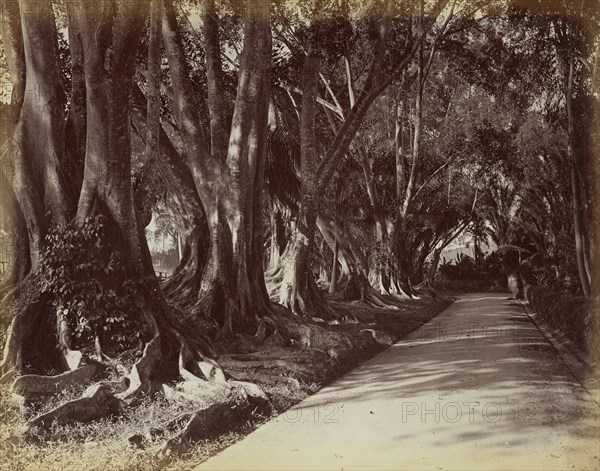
(287, 375)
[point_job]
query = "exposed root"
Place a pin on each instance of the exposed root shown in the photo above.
(241, 400)
(17, 334)
(427, 287)
(8, 377)
(8, 294)
(268, 331)
(197, 391)
(191, 367)
(140, 379)
(399, 290)
(302, 297)
(380, 282)
(38, 385)
(98, 401)
(183, 286)
(358, 288)
(307, 334)
(202, 381)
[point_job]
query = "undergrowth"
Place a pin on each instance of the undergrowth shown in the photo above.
(287, 375)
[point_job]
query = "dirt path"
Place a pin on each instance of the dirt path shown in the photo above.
(478, 387)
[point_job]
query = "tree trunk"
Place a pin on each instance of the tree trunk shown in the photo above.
(293, 279)
(578, 225)
(420, 262)
(153, 98)
(232, 292)
(278, 220)
(416, 148)
(38, 154)
(297, 288)
(435, 262)
(399, 149)
(334, 268)
(18, 265)
(214, 77)
(402, 285)
(75, 131)
(37, 158)
(107, 192)
(402, 231)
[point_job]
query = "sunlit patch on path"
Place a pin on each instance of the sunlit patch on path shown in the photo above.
(478, 387)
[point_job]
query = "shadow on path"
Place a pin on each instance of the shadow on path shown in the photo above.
(478, 387)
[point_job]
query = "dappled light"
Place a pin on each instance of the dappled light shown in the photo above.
(491, 395)
(347, 234)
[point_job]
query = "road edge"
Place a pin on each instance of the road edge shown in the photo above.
(581, 369)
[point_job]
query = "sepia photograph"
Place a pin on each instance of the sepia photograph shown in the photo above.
(299, 235)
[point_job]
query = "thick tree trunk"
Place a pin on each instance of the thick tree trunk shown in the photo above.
(19, 263)
(214, 79)
(375, 84)
(402, 285)
(107, 191)
(153, 86)
(294, 284)
(36, 154)
(75, 130)
(232, 293)
(297, 287)
(401, 244)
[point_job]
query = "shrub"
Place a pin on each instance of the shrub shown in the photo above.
(87, 282)
(572, 315)
(556, 279)
(488, 275)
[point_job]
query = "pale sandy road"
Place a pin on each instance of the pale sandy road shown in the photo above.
(478, 387)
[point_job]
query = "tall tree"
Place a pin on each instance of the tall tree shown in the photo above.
(294, 282)
(109, 34)
(232, 291)
(36, 149)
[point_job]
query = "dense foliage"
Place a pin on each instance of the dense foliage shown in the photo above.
(290, 153)
(89, 290)
(487, 274)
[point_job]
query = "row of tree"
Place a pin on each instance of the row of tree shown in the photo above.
(288, 143)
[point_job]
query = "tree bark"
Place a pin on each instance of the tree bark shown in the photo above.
(37, 157)
(578, 225)
(75, 131)
(153, 99)
(232, 292)
(399, 150)
(214, 78)
(37, 152)
(108, 42)
(334, 268)
(298, 290)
